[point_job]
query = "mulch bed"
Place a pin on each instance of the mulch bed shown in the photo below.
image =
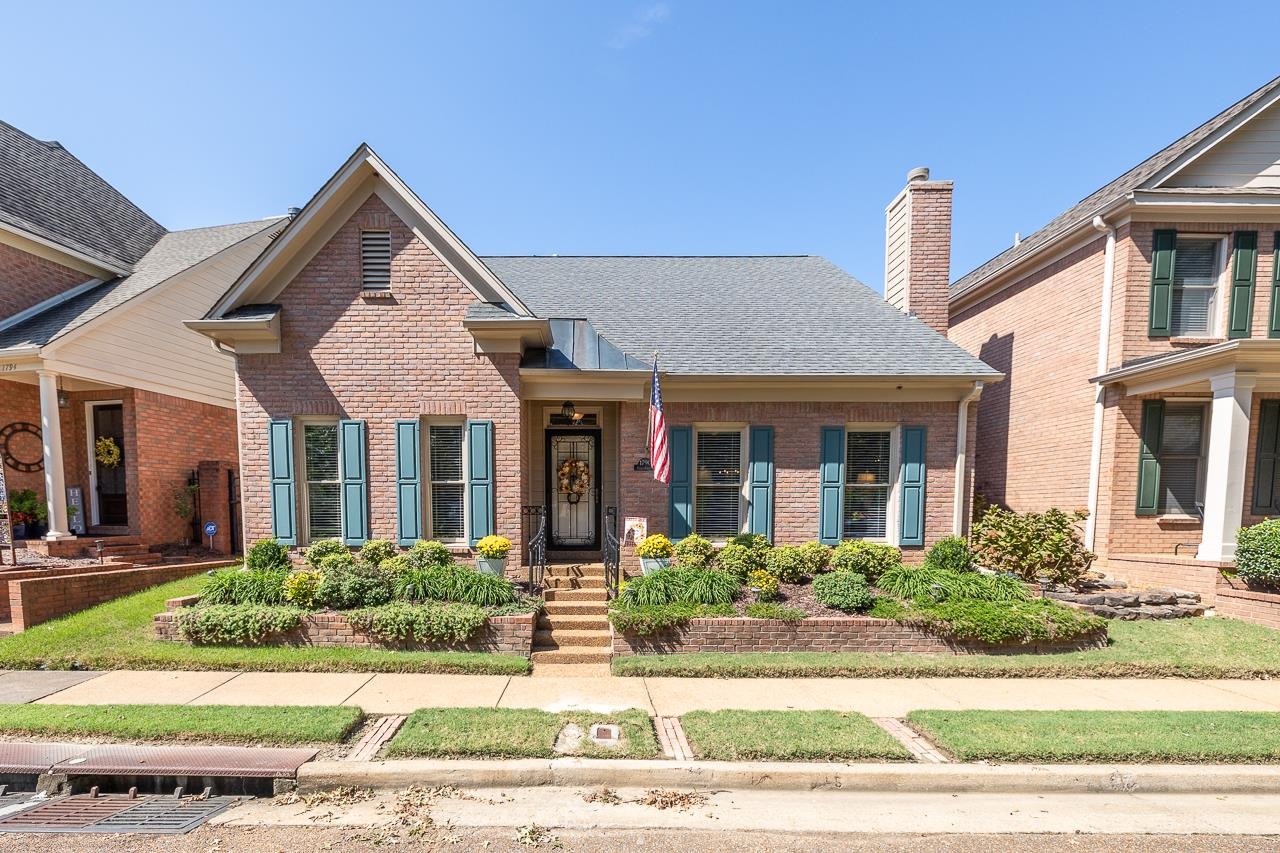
(799, 595)
(28, 559)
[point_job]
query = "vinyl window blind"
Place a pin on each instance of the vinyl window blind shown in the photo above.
(448, 485)
(324, 483)
(867, 482)
(718, 484)
(1181, 458)
(1195, 286)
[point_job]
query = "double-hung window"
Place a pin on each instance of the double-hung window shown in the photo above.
(867, 484)
(447, 486)
(718, 487)
(1195, 286)
(323, 485)
(1182, 458)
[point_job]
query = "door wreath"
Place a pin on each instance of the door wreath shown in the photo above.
(574, 479)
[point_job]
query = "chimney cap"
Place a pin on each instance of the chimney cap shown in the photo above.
(920, 173)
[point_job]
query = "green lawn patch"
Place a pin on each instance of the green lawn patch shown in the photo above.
(268, 725)
(1066, 737)
(1173, 648)
(515, 733)
(788, 736)
(118, 635)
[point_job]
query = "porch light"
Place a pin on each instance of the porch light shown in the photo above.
(64, 402)
(568, 412)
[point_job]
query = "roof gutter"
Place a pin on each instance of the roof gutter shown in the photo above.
(1099, 391)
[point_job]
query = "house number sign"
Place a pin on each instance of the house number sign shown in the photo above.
(22, 447)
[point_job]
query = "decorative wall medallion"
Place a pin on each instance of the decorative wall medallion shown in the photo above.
(22, 447)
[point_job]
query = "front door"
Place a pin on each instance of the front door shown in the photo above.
(111, 502)
(573, 488)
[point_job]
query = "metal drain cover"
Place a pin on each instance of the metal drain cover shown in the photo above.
(117, 814)
(126, 760)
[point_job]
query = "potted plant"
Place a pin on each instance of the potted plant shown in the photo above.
(655, 552)
(27, 512)
(493, 551)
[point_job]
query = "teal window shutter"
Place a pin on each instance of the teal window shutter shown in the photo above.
(680, 492)
(911, 480)
(1273, 328)
(831, 485)
(480, 492)
(1152, 435)
(408, 482)
(1244, 268)
(1163, 250)
(280, 462)
(355, 483)
(760, 481)
(1266, 489)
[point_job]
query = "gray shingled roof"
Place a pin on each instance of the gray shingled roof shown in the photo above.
(1091, 206)
(175, 252)
(47, 191)
(736, 315)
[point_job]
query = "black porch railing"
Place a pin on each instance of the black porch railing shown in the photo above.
(612, 555)
(533, 523)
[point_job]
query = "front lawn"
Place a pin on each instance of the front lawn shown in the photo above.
(1175, 648)
(259, 725)
(119, 635)
(1088, 736)
(515, 733)
(788, 736)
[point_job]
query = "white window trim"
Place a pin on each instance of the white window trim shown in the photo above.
(302, 484)
(1202, 468)
(1221, 289)
(425, 425)
(744, 454)
(891, 531)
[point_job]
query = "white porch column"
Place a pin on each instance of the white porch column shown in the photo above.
(1225, 467)
(55, 482)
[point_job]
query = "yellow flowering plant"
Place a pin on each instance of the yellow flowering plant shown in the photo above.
(493, 547)
(655, 546)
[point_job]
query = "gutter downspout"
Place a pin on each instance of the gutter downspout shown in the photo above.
(962, 452)
(1104, 343)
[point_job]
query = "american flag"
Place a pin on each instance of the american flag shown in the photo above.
(658, 432)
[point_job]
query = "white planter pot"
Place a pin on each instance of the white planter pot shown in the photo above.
(648, 565)
(491, 565)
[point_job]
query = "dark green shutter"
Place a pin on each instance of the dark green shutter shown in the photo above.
(1163, 250)
(1244, 268)
(280, 463)
(1266, 491)
(408, 482)
(355, 483)
(831, 485)
(1152, 432)
(1273, 328)
(760, 482)
(680, 509)
(911, 481)
(480, 491)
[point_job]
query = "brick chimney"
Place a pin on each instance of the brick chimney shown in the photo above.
(917, 249)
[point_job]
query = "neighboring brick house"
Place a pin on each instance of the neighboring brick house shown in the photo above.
(93, 293)
(1140, 336)
(392, 384)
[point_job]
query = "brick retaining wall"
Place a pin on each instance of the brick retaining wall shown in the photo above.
(1165, 571)
(1235, 599)
(827, 634)
(58, 571)
(511, 635)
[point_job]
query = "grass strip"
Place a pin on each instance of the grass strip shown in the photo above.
(119, 635)
(788, 736)
(1068, 737)
(265, 725)
(1172, 648)
(516, 733)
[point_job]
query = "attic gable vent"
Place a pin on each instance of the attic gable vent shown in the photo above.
(375, 260)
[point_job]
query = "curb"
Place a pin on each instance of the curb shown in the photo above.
(781, 776)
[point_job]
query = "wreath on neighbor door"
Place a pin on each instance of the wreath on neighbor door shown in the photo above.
(574, 479)
(107, 452)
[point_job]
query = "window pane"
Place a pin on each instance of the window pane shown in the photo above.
(1195, 272)
(1182, 430)
(1180, 463)
(720, 457)
(716, 514)
(446, 511)
(446, 452)
(1179, 479)
(866, 493)
(321, 451)
(324, 510)
(324, 494)
(865, 512)
(867, 458)
(447, 489)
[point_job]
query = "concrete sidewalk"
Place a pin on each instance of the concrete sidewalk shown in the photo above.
(404, 693)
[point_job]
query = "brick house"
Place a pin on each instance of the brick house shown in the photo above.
(393, 384)
(1140, 335)
(93, 292)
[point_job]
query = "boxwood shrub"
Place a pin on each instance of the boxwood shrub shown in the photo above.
(786, 563)
(695, 552)
(1258, 553)
(267, 555)
(869, 559)
(847, 591)
(952, 554)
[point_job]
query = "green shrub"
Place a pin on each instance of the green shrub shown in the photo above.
(429, 552)
(922, 583)
(786, 563)
(869, 559)
(816, 556)
(1037, 620)
(754, 541)
(951, 554)
(235, 624)
(694, 552)
(691, 586)
(300, 588)
(739, 560)
(847, 591)
(316, 554)
(455, 583)
(1034, 546)
(245, 586)
(337, 562)
(267, 555)
(375, 552)
(773, 610)
(485, 590)
(1258, 553)
(766, 582)
(396, 566)
(709, 586)
(650, 619)
(401, 622)
(888, 608)
(347, 584)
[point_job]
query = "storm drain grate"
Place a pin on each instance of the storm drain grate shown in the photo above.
(117, 813)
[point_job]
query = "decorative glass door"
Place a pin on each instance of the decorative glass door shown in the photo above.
(111, 502)
(573, 486)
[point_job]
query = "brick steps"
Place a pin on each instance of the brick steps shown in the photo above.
(559, 607)
(556, 594)
(575, 583)
(573, 654)
(559, 637)
(574, 628)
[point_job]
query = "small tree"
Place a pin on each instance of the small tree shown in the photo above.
(1035, 546)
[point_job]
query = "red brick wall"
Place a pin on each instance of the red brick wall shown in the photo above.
(27, 280)
(378, 359)
(20, 402)
(929, 273)
(36, 600)
(1260, 608)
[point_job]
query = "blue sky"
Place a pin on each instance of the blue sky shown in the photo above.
(667, 127)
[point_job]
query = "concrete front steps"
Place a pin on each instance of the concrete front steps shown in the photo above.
(573, 628)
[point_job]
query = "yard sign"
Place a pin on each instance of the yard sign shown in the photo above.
(6, 523)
